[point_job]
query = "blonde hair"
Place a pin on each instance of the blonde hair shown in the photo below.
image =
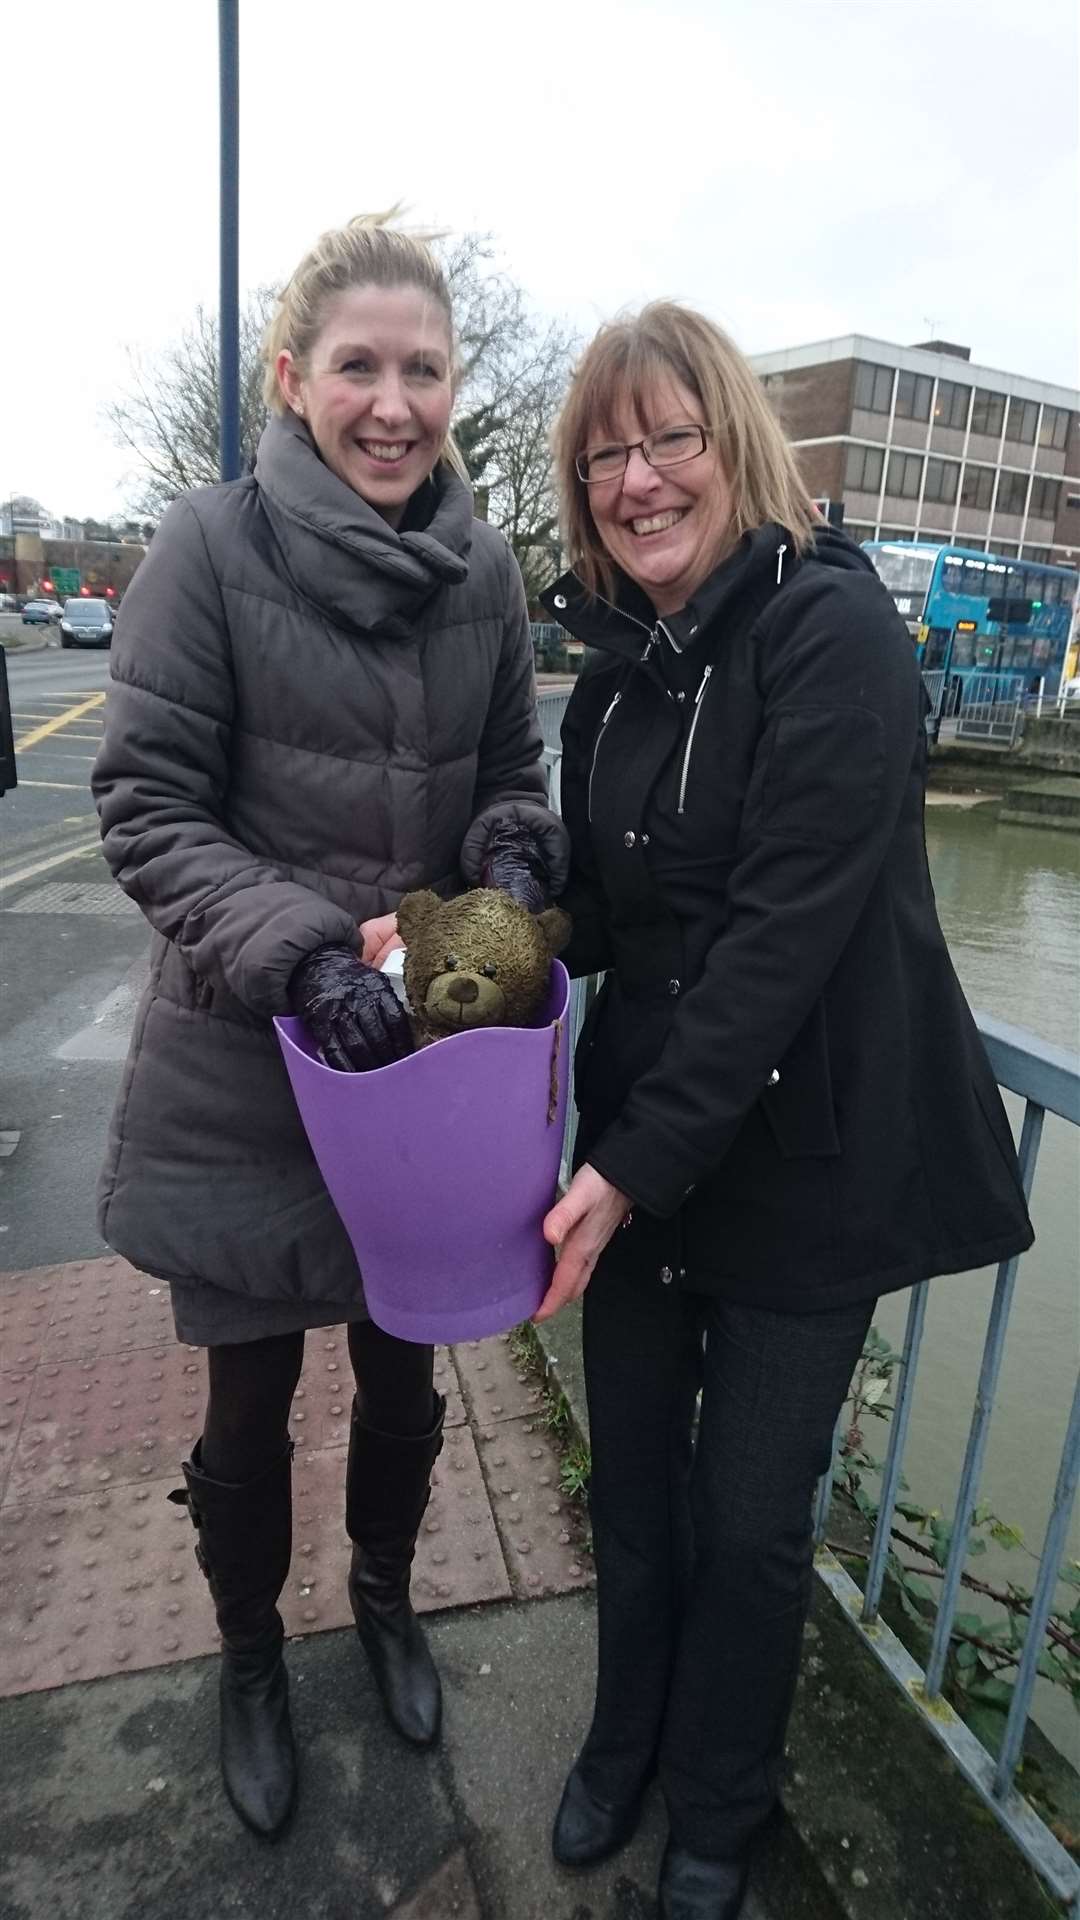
(369, 251)
(624, 364)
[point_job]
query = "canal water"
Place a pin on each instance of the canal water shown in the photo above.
(1009, 901)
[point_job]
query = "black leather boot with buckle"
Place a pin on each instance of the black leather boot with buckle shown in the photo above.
(243, 1545)
(387, 1486)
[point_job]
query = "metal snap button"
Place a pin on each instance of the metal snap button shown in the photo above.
(628, 839)
(774, 1076)
(560, 600)
(673, 986)
(666, 1276)
(644, 839)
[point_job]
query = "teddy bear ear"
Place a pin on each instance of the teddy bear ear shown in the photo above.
(414, 910)
(556, 927)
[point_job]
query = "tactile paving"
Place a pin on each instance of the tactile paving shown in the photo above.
(98, 1406)
(542, 1531)
(106, 1306)
(115, 1419)
(98, 1583)
(14, 1395)
(495, 1387)
(25, 1306)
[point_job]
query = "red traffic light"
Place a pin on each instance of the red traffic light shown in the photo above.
(47, 586)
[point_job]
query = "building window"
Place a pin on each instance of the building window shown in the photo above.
(913, 392)
(904, 476)
(987, 412)
(1012, 492)
(858, 531)
(873, 387)
(942, 478)
(1005, 547)
(862, 471)
(978, 487)
(1045, 495)
(1055, 427)
(951, 408)
(1023, 420)
(1037, 553)
(897, 533)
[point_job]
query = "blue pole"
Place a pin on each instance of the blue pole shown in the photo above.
(229, 299)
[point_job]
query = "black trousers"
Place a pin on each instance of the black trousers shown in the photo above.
(703, 1546)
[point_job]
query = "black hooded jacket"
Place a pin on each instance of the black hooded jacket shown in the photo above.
(781, 1069)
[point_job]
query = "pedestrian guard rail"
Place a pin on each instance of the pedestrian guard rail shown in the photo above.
(1047, 1079)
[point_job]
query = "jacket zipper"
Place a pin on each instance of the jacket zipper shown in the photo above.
(596, 748)
(698, 698)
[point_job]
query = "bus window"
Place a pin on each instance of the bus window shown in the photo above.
(1051, 587)
(936, 649)
(952, 574)
(963, 653)
(1021, 653)
(975, 577)
(1042, 650)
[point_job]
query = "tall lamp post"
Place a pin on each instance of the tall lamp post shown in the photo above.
(229, 298)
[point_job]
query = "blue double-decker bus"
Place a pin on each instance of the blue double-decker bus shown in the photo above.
(980, 613)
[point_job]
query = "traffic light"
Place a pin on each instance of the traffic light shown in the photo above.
(46, 586)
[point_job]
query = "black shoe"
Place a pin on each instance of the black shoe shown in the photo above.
(258, 1759)
(243, 1545)
(586, 1831)
(693, 1889)
(387, 1484)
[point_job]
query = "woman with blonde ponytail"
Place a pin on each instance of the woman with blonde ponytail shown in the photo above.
(322, 697)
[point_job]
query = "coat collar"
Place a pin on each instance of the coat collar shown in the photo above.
(341, 554)
(629, 623)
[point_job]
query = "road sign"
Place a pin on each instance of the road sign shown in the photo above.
(67, 581)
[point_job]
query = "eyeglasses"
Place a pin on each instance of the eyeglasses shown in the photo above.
(668, 448)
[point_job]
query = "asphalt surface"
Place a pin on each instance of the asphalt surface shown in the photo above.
(70, 965)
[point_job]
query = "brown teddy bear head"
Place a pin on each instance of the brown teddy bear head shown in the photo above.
(477, 961)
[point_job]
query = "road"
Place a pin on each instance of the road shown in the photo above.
(72, 956)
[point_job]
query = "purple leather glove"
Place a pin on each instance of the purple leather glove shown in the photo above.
(515, 863)
(350, 1009)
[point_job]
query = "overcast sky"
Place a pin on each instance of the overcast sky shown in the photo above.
(898, 168)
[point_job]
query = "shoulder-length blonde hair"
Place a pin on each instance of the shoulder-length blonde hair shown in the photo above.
(622, 368)
(368, 251)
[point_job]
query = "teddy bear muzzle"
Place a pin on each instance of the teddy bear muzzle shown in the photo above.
(459, 1000)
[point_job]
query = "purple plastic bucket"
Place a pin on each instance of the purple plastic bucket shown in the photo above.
(442, 1168)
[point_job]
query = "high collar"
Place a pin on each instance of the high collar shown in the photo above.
(629, 623)
(342, 555)
(763, 561)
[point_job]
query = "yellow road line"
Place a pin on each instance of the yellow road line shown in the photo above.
(77, 852)
(62, 719)
(55, 786)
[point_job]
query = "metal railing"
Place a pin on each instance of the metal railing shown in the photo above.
(1048, 1080)
(981, 706)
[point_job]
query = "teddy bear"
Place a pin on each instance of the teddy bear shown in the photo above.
(479, 960)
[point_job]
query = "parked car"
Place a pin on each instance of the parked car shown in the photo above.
(86, 623)
(40, 613)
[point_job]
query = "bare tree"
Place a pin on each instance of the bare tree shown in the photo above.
(170, 414)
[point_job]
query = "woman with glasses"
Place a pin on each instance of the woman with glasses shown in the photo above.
(785, 1107)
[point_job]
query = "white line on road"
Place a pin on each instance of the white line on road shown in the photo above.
(77, 852)
(55, 786)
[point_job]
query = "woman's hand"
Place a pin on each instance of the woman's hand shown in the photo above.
(580, 1226)
(379, 938)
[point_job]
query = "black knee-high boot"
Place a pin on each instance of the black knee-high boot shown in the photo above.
(244, 1546)
(387, 1486)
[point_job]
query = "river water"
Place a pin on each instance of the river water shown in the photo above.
(1009, 901)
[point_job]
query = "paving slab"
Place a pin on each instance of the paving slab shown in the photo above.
(115, 1811)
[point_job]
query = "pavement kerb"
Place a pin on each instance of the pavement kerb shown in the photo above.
(15, 645)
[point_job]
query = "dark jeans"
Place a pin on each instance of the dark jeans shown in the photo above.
(703, 1549)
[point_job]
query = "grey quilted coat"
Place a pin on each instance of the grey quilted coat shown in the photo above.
(310, 714)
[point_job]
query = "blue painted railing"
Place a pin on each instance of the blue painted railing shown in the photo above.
(1048, 1081)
